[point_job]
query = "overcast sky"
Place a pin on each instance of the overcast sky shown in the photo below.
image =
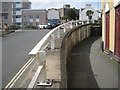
(45, 4)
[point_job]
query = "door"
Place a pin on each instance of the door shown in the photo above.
(117, 31)
(107, 32)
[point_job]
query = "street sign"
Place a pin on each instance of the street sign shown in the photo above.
(25, 23)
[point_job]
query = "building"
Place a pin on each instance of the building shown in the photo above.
(66, 8)
(82, 13)
(53, 15)
(111, 28)
(33, 17)
(12, 11)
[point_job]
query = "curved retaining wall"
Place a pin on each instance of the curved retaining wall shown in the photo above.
(70, 40)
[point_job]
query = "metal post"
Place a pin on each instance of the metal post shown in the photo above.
(42, 61)
(42, 76)
(76, 23)
(87, 22)
(71, 25)
(58, 33)
(2, 24)
(41, 57)
(82, 23)
(52, 42)
(64, 29)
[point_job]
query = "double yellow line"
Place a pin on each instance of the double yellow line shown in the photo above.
(17, 76)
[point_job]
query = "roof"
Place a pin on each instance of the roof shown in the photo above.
(34, 10)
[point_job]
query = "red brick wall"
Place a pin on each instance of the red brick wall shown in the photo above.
(42, 17)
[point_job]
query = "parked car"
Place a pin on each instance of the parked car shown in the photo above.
(51, 25)
(43, 25)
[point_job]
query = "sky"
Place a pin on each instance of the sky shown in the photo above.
(46, 4)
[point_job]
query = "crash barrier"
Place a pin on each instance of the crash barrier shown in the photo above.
(39, 52)
(70, 40)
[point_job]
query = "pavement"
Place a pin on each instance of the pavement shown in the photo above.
(88, 67)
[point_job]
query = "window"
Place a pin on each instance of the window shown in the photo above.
(37, 17)
(17, 2)
(31, 17)
(37, 24)
(5, 17)
(5, 3)
(24, 16)
(17, 16)
(17, 9)
(5, 10)
(31, 24)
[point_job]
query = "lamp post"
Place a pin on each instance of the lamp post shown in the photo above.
(3, 14)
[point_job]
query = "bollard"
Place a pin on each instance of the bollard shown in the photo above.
(58, 33)
(52, 42)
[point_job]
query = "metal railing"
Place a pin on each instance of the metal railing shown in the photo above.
(39, 53)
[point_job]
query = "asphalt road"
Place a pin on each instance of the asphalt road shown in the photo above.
(15, 49)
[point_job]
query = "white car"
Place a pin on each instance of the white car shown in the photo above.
(43, 26)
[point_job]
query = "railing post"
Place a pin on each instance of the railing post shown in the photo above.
(43, 81)
(64, 29)
(82, 23)
(52, 42)
(41, 57)
(71, 25)
(76, 23)
(87, 22)
(42, 61)
(58, 33)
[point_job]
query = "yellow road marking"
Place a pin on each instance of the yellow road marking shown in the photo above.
(18, 73)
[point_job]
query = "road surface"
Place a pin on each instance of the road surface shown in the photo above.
(15, 49)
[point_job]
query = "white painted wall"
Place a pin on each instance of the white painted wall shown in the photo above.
(83, 17)
(53, 14)
(116, 2)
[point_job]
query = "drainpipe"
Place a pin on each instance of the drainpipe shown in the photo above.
(104, 26)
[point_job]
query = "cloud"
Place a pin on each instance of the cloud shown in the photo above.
(46, 4)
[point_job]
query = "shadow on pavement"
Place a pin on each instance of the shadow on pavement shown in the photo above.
(79, 71)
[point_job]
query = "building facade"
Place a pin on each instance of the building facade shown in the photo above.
(66, 8)
(82, 13)
(12, 11)
(53, 15)
(111, 28)
(33, 17)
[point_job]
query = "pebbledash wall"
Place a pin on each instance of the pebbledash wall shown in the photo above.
(110, 27)
(34, 17)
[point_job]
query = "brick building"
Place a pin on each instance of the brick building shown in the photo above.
(33, 17)
(12, 11)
